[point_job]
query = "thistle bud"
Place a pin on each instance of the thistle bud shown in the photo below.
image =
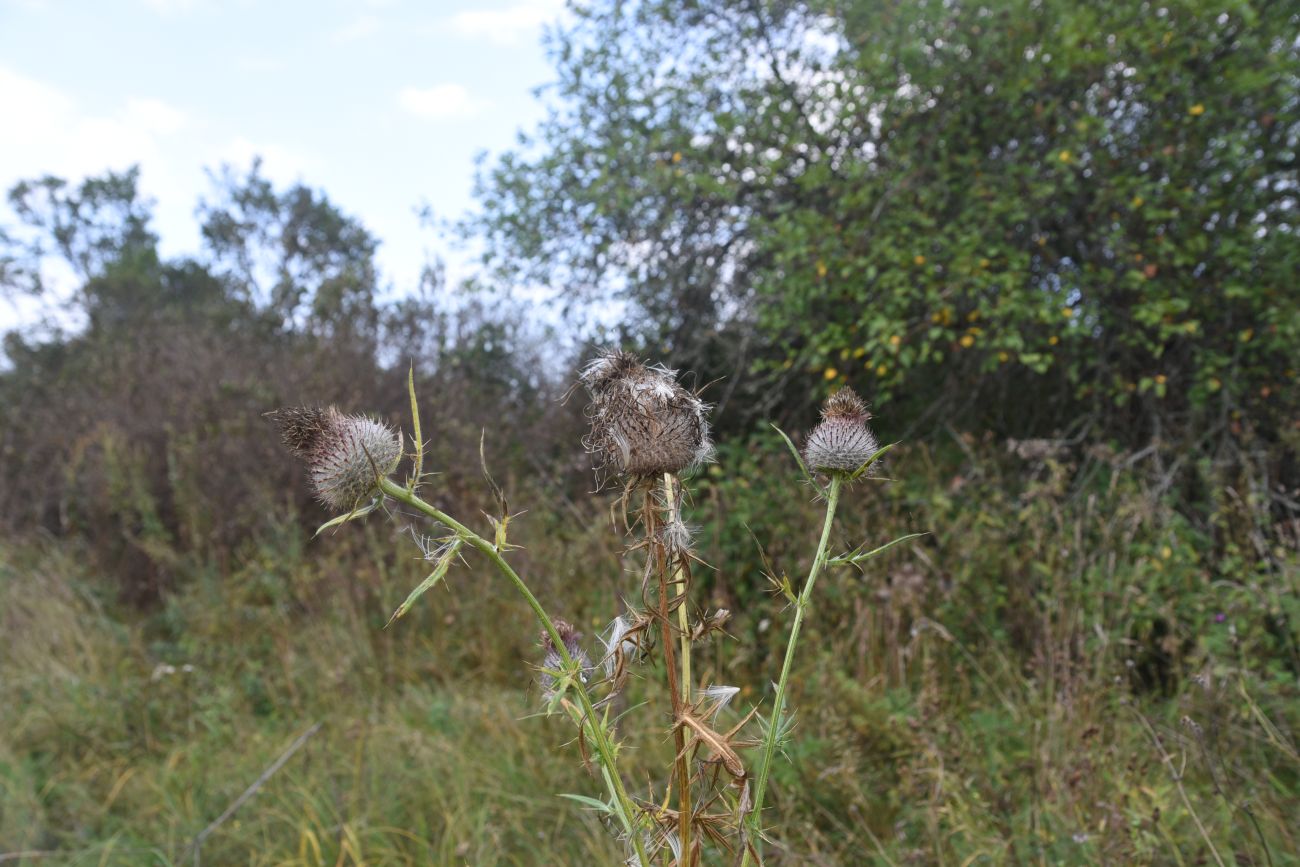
(842, 442)
(342, 452)
(552, 662)
(643, 422)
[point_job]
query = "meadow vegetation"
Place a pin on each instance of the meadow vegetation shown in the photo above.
(1066, 289)
(1055, 676)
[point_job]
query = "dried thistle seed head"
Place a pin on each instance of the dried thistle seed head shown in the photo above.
(552, 662)
(846, 404)
(607, 367)
(643, 422)
(343, 452)
(842, 441)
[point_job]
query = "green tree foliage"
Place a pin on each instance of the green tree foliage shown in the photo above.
(99, 223)
(1023, 214)
(292, 251)
(18, 273)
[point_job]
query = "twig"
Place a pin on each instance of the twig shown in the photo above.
(1177, 777)
(32, 853)
(252, 790)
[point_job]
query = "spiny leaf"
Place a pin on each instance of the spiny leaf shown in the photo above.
(419, 439)
(499, 495)
(439, 572)
(781, 585)
(783, 729)
(803, 468)
(862, 470)
(343, 519)
(593, 803)
(858, 556)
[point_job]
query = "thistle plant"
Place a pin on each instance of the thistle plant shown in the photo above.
(648, 432)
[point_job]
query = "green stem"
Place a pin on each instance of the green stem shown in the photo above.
(778, 704)
(597, 731)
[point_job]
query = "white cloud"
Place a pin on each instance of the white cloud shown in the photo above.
(49, 133)
(508, 25)
(357, 29)
(437, 102)
(154, 115)
(281, 165)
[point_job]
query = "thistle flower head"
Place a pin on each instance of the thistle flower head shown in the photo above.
(343, 452)
(553, 662)
(643, 421)
(842, 442)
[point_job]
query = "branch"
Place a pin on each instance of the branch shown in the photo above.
(197, 845)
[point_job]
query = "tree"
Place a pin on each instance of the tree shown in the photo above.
(91, 225)
(293, 251)
(18, 271)
(1024, 214)
(138, 428)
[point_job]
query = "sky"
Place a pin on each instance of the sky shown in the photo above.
(383, 104)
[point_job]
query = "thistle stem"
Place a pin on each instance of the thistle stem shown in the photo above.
(778, 703)
(599, 736)
(679, 581)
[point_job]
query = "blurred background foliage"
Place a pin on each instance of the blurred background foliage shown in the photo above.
(1053, 243)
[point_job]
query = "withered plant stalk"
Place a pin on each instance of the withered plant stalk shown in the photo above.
(657, 558)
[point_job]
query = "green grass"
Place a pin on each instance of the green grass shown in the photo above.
(986, 697)
(109, 760)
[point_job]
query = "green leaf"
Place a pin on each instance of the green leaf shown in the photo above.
(439, 572)
(803, 468)
(858, 556)
(343, 519)
(593, 803)
(862, 470)
(419, 439)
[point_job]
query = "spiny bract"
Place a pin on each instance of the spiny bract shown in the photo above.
(842, 441)
(342, 452)
(552, 662)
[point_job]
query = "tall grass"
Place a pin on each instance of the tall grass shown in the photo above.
(1066, 671)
